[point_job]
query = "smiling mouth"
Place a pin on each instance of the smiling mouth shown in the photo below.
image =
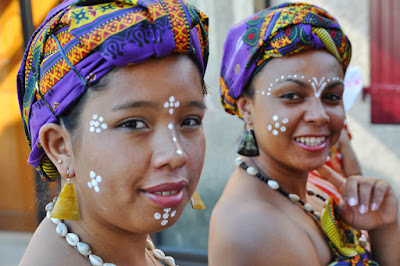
(167, 193)
(311, 141)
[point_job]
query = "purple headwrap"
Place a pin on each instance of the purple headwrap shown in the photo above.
(82, 40)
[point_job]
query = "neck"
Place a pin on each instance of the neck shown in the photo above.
(111, 244)
(290, 179)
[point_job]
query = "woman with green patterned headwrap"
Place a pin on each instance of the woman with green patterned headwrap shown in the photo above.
(112, 99)
(282, 73)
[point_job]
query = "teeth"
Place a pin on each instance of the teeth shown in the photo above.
(311, 141)
(167, 193)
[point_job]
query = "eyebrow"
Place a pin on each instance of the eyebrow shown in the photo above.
(134, 105)
(140, 104)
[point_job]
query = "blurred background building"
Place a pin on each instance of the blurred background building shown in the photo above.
(371, 26)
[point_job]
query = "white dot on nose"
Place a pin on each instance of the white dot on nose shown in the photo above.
(170, 126)
(179, 152)
(174, 139)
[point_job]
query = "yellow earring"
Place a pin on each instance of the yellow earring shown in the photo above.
(196, 201)
(66, 207)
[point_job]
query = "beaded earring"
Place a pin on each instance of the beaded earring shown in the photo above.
(196, 201)
(248, 146)
(66, 207)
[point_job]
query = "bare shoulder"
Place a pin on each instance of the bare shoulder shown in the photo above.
(253, 232)
(48, 248)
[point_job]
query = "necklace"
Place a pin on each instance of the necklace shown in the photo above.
(84, 249)
(275, 186)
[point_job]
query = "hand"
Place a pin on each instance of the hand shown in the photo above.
(368, 204)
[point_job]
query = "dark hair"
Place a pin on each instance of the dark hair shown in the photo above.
(70, 118)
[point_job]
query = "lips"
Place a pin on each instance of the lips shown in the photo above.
(312, 143)
(166, 194)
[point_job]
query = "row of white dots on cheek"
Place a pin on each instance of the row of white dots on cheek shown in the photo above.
(277, 126)
(96, 124)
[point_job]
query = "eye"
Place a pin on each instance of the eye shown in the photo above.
(133, 124)
(291, 96)
(332, 97)
(191, 122)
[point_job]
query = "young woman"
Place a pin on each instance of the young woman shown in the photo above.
(111, 94)
(282, 72)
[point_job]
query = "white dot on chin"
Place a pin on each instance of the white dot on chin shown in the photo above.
(164, 222)
(165, 215)
(157, 216)
(173, 213)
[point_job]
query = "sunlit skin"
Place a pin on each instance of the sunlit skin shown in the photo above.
(136, 152)
(265, 226)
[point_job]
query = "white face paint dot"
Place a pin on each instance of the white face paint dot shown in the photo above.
(89, 184)
(165, 215)
(177, 104)
(170, 126)
(275, 117)
(172, 98)
(94, 182)
(269, 89)
(91, 122)
(272, 84)
(167, 209)
(302, 77)
(295, 76)
(283, 129)
(285, 120)
(282, 77)
(275, 132)
(179, 152)
(101, 119)
(92, 174)
(277, 124)
(173, 213)
(104, 126)
(171, 111)
(166, 104)
(174, 139)
(98, 130)
(164, 222)
(98, 179)
(91, 129)
(96, 188)
(290, 76)
(269, 127)
(276, 80)
(157, 216)
(94, 116)
(268, 93)
(263, 93)
(96, 123)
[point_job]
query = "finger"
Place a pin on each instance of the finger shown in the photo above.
(351, 191)
(364, 196)
(380, 189)
(332, 176)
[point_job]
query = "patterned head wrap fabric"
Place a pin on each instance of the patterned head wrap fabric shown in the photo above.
(82, 40)
(282, 30)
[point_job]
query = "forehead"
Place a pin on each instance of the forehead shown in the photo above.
(154, 80)
(311, 63)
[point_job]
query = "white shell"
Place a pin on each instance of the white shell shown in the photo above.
(307, 207)
(149, 245)
(238, 161)
(55, 220)
(294, 197)
(72, 239)
(159, 254)
(95, 260)
(49, 206)
(317, 214)
(273, 184)
(170, 261)
(62, 229)
(252, 170)
(48, 214)
(84, 249)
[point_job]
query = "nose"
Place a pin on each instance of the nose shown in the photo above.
(316, 113)
(167, 151)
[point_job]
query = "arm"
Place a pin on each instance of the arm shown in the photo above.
(242, 237)
(350, 162)
(371, 205)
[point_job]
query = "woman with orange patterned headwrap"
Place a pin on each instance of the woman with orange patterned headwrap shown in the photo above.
(282, 73)
(112, 100)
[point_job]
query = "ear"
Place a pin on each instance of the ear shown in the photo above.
(246, 108)
(56, 142)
